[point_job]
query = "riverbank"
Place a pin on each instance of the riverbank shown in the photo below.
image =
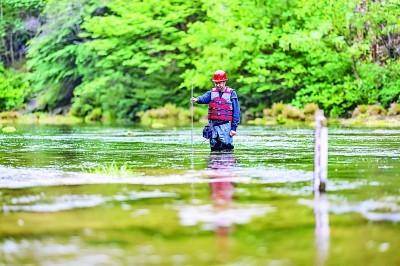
(7, 118)
(366, 122)
(370, 116)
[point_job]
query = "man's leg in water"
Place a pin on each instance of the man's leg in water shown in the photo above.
(221, 139)
(215, 143)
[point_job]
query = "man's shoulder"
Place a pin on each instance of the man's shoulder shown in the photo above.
(233, 93)
(227, 90)
(207, 93)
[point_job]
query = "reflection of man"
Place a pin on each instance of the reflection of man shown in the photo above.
(222, 188)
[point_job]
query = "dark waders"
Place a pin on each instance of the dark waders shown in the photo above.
(220, 138)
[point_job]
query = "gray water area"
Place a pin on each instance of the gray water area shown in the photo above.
(125, 195)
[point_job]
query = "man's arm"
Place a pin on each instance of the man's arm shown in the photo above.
(205, 98)
(236, 111)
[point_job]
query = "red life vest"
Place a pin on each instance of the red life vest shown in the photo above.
(220, 108)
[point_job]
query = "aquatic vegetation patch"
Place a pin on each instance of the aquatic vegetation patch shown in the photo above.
(111, 169)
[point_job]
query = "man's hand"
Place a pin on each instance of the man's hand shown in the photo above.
(194, 100)
(232, 133)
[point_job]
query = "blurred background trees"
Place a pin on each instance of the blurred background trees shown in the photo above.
(113, 59)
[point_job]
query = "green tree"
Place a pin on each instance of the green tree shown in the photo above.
(53, 53)
(132, 57)
(13, 89)
(113, 59)
(19, 21)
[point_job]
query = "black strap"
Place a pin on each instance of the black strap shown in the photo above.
(218, 123)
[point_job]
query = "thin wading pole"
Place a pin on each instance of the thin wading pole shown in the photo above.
(191, 129)
(191, 112)
(191, 141)
(320, 152)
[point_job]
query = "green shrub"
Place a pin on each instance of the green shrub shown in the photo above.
(167, 111)
(171, 111)
(394, 109)
(359, 110)
(376, 110)
(94, 115)
(169, 115)
(267, 112)
(277, 109)
(284, 111)
(13, 89)
(292, 112)
(10, 115)
(281, 120)
(200, 113)
(368, 110)
(310, 109)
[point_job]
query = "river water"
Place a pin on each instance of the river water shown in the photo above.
(132, 196)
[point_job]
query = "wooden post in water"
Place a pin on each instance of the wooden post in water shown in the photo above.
(321, 205)
(320, 152)
(322, 231)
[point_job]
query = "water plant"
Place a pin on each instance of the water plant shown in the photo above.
(110, 169)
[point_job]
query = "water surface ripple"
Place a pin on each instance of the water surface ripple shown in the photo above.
(129, 195)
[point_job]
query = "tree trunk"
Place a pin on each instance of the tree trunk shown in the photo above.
(6, 59)
(3, 42)
(11, 49)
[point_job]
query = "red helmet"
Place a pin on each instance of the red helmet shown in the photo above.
(219, 76)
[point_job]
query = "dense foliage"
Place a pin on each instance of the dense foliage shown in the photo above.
(113, 59)
(13, 89)
(19, 21)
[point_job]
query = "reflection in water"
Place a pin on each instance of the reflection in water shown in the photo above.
(321, 209)
(221, 164)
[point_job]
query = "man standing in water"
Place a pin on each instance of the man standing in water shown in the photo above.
(223, 112)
